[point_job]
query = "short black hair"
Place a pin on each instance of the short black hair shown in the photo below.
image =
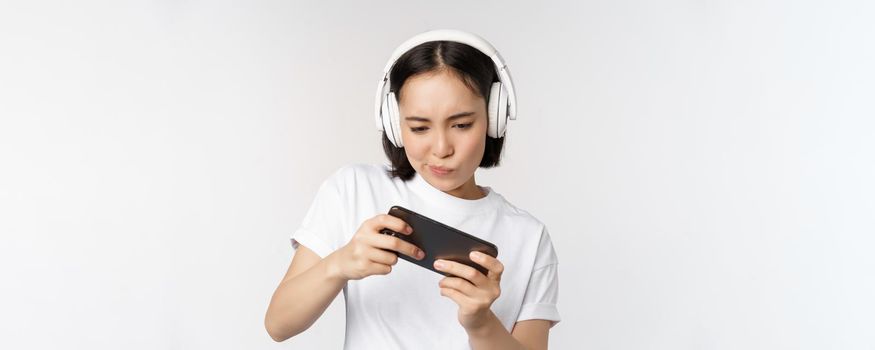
(475, 69)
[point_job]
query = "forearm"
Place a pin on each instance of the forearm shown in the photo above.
(492, 335)
(299, 301)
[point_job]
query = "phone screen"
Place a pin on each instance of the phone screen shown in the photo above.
(439, 241)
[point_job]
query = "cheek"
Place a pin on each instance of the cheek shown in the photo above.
(411, 146)
(473, 148)
(415, 151)
(479, 141)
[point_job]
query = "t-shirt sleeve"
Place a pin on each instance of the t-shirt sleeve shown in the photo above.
(542, 292)
(321, 230)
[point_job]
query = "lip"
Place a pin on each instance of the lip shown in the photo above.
(439, 170)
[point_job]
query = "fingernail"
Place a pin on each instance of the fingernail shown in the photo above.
(409, 229)
(476, 256)
(420, 254)
(438, 264)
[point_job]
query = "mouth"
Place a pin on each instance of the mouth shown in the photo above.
(440, 171)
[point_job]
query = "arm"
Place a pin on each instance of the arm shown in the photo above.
(475, 293)
(303, 295)
(312, 283)
(528, 334)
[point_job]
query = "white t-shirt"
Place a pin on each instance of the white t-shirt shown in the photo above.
(404, 309)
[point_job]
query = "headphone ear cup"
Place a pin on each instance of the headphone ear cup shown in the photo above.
(384, 115)
(497, 110)
(386, 119)
(502, 116)
(394, 120)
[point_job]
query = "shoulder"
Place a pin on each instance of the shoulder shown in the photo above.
(530, 232)
(519, 215)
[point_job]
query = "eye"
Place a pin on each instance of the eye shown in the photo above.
(419, 129)
(464, 126)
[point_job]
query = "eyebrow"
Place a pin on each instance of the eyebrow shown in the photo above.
(454, 116)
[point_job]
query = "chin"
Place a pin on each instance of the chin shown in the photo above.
(443, 183)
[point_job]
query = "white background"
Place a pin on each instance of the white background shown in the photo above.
(705, 167)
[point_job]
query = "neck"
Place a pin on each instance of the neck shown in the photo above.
(469, 191)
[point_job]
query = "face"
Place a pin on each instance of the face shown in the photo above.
(443, 126)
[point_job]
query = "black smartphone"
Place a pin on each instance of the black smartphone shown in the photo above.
(439, 241)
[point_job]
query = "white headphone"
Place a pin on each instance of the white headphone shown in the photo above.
(502, 98)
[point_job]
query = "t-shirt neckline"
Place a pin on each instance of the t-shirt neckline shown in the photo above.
(449, 202)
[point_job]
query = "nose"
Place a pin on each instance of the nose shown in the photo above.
(442, 147)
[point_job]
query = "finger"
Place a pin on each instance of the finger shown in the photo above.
(467, 272)
(460, 285)
(398, 245)
(456, 296)
(382, 257)
(380, 269)
(495, 267)
(382, 221)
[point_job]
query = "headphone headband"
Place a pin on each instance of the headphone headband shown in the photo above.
(456, 36)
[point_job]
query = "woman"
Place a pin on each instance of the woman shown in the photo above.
(443, 118)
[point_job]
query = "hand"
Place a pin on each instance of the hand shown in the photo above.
(473, 292)
(370, 252)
